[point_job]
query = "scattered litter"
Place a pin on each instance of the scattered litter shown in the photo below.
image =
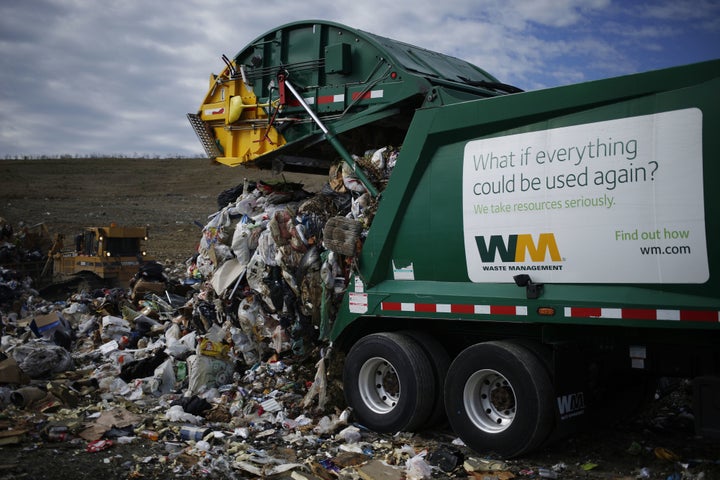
(222, 367)
(416, 468)
(665, 454)
(589, 466)
(473, 464)
(98, 446)
(445, 459)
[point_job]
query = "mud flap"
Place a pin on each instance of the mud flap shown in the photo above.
(706, 405)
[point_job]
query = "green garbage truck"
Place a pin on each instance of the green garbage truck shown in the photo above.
(537, 259)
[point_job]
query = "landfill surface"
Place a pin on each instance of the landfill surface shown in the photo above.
(209, 364)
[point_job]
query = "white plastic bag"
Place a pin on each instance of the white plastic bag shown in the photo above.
(416, 468)
(176, 413)
(207, 372)
(114, 328)
(240, 238)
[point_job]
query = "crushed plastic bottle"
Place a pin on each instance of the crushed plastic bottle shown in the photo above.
(150, 435)
(547, 473)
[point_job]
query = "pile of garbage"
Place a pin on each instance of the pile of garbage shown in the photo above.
(27, 243)
(222, 361)
(218, 359)
(23, 254)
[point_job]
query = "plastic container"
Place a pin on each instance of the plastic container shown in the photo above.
(58, 433)
(191, 432)
(150, 434)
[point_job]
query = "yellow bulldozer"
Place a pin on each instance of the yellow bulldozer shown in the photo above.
(111, 253)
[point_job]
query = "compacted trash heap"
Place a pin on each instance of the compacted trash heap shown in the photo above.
(520, 263)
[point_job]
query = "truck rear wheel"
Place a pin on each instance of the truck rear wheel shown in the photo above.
(499, 398)
(440, 363)
(389, 382)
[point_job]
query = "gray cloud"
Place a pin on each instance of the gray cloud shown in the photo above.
(118, 77)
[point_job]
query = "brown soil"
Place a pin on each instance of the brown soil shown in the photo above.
(174, 198)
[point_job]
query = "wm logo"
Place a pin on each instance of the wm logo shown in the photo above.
(517, 247)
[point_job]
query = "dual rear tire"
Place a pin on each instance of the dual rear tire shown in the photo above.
(391, 383)
(498, 395)
(499, 398)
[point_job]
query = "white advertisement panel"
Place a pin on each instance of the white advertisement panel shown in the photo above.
(618, 201)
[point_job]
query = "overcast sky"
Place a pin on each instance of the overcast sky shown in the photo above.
(117, 77)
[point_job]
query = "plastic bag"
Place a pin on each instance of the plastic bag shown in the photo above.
(330, 424)
(37, 359)
(179, 347)
(318, 388)
(280, 340)
(378, 158)
(206, 372)
(350, 181)
(240, 245)
(222, 254)
(416, 468)
(74, 312)
(245, 347)
(176, 413)
(165, 373)
(359, 205)
(114, 328)
(350, 434)
(266, 249)
(5, 396)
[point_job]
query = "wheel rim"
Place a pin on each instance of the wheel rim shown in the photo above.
(379, 385)
(490, 401)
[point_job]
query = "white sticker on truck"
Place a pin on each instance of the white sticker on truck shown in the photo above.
(618, 201)
(357, 302)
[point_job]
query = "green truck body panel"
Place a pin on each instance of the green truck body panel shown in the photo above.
(418, 229)
(416, 260)
(354, 79)
(535, 260)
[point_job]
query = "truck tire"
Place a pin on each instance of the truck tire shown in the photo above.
(389, 383)
(499, 398)
(440, 362)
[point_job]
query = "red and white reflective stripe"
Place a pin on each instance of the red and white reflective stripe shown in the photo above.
(644, 314)
(338, 98)
(570, 312)
(368, 95)
(454, 308)
(323, 99)
(294, 102)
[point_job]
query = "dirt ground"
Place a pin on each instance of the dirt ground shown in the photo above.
(174, 198)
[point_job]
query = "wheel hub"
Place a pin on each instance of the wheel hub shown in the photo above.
(490, 401)
(379, 385)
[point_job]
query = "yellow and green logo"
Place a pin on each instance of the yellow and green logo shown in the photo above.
(518, 247)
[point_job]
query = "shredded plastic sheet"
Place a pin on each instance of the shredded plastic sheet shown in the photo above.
(38, 358)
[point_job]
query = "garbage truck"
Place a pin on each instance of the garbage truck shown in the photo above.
(537, 260)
